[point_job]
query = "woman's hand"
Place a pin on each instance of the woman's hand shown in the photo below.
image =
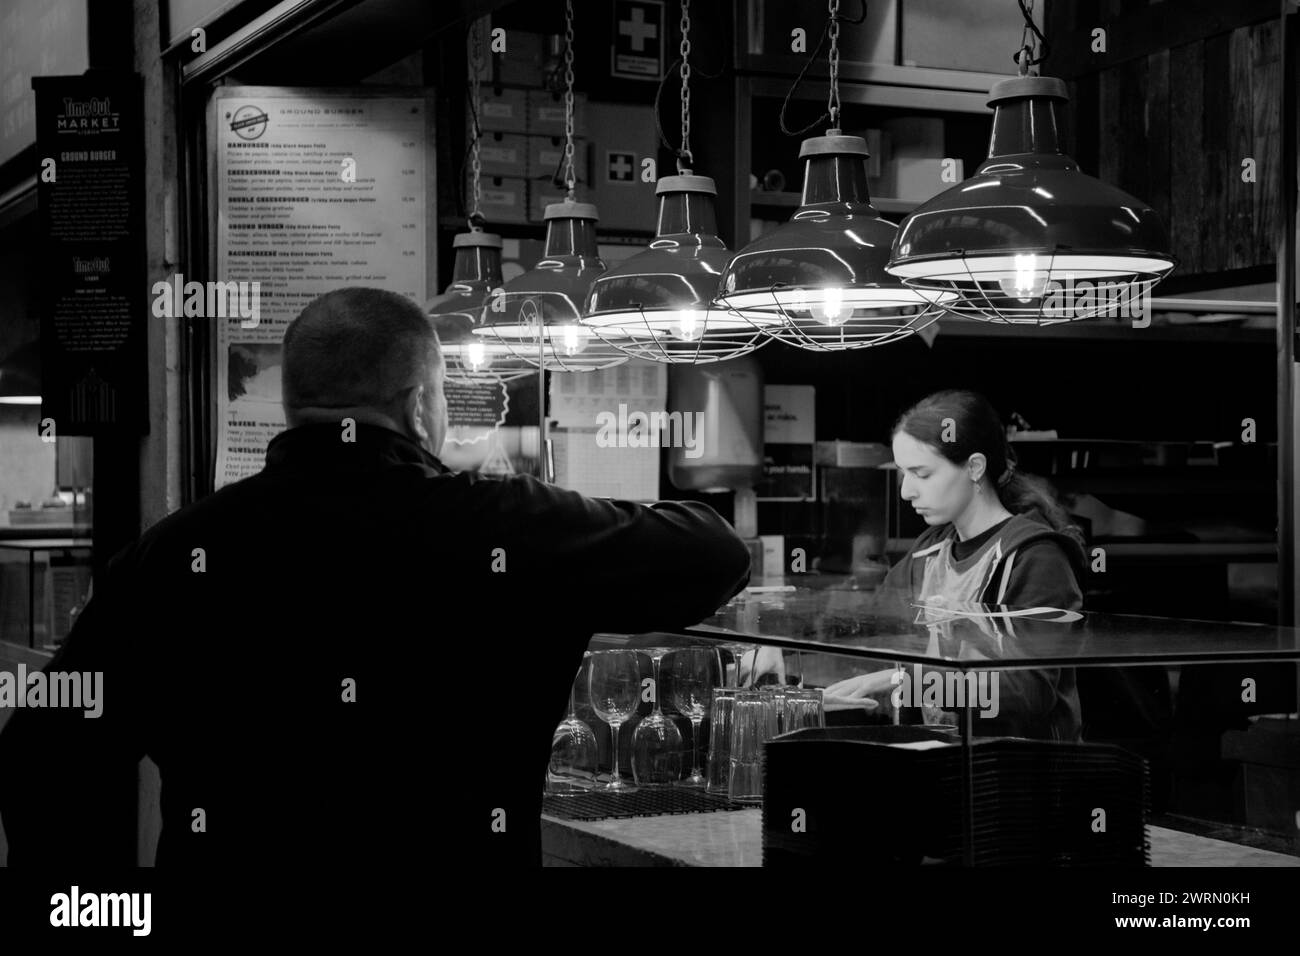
(859, 691)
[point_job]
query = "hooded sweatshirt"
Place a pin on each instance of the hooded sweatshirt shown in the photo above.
(1021, 562)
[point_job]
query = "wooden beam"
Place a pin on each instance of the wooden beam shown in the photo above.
(1144, 31)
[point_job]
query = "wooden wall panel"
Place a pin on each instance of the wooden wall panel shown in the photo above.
(1186, 167)
(1266, 199)
(1173, 128)
(1156, 121)
(1239, 195)
(1131, 147)
(1215, 133)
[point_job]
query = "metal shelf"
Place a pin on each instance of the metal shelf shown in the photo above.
(877, 84)
(791, 200)
(1108, 331)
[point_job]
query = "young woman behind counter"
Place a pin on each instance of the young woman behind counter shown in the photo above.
(995, 536)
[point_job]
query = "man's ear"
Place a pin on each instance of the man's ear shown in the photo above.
(413, 413)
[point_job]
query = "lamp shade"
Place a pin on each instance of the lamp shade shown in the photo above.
(659, 303)
(476, 271)
(537, 315)
(823, 272)
(20, 375)
(1030, 238)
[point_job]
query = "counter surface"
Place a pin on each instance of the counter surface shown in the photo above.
(734, 838)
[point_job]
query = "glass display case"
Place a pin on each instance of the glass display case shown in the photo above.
(1184, 729)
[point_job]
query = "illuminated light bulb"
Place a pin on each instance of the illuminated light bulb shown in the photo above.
(477, 357)
(1028, 282)
(832, 308)
(688, 324)
(572, 338)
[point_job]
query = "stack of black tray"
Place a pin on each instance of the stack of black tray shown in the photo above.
(869, 794)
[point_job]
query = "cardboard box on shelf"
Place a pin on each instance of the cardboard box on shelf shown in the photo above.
(914, 137)
(521, 61)
(541, 193)
(622, 137)
(504, 199)
(960, 36)
(504, 110)
(851, 454)
(546, 154)
(504, 154)
(917, 180)
(546, 113)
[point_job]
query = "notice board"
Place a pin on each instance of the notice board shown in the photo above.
(315, 189)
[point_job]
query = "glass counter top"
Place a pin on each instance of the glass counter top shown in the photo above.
(869, 624)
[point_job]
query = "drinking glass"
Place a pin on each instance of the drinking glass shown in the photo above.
(749, 731)
(656, 742)
(614, 689)
(803, 708)
(574, 749)
(773, 696)
(719, 763)
(739, 652)
(692, 672)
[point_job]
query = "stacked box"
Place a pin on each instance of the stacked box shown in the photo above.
(504, 198)
(504, 154)
(546, 155)
(546, 113)
(503, 110)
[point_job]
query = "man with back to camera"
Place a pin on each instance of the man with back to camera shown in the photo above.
(355, 654)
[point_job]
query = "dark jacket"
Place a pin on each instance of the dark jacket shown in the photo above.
(459, 606)
(1021, 563)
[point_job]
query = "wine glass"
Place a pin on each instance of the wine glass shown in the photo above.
(739, 651)
(656, 742)
(574, 749)
(692, 673)
(614, 690)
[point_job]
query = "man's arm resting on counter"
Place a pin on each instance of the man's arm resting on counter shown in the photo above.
(629, 567)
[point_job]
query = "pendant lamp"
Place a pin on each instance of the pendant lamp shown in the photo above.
(476, 272)
(537, 316)
(658, 304)
(823, 272)
(1030, 238)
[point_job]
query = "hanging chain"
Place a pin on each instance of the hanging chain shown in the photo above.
(1026, 41)
(833, 99)
(476, 165)
(684, 157)
(1033, 45)
(570, 179)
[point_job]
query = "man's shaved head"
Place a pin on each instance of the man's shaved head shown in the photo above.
(360, 349)
(356, 347)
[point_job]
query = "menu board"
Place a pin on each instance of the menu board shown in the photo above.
(316, 190)
(92, 302)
